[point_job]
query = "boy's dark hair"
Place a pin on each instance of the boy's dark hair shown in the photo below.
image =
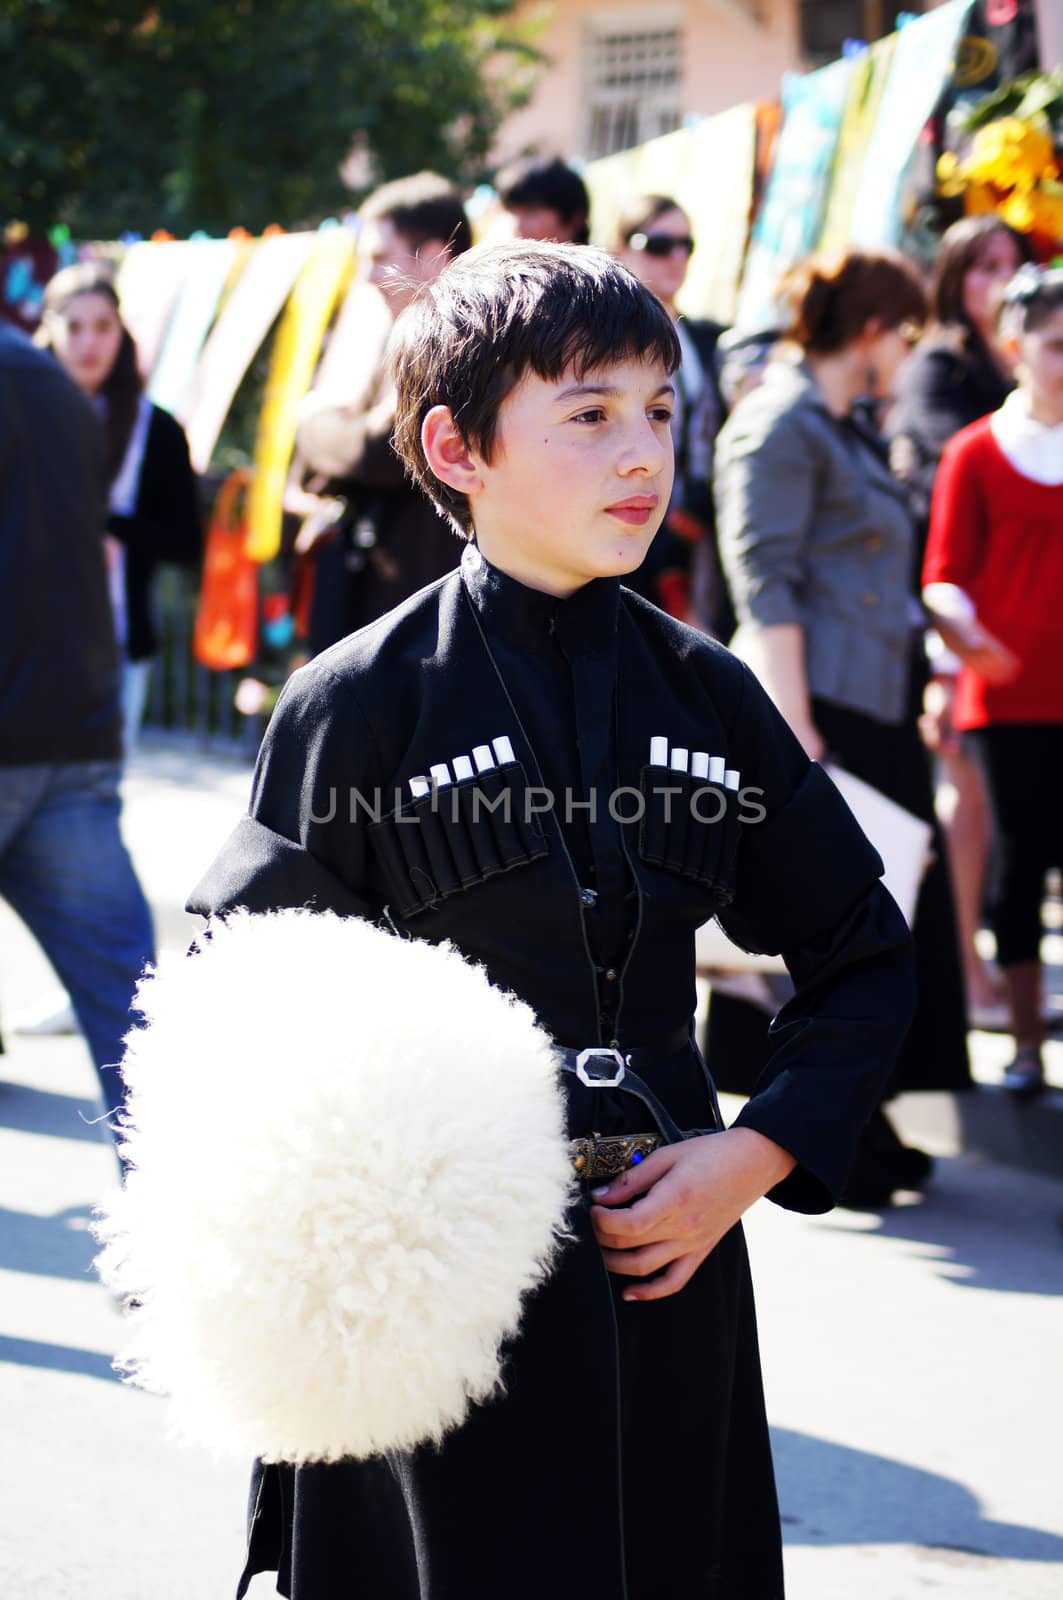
(422, 207)
(537, 181)
(1032, 296)
(499, 313)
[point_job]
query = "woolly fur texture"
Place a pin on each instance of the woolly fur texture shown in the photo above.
(349, 1168)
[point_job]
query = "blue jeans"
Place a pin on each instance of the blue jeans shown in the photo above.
(135, 682)
(66, 872)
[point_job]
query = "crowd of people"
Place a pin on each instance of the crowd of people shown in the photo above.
(816, 467)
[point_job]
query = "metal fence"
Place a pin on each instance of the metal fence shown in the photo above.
(187, 701)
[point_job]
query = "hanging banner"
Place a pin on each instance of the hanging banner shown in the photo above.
(245, 319)
(858, 124)
(922, 67)
(791, 216)
(295, 352)
(212, 262)
(1000, 43)
(355, 346)
(678, 165)
(769, 123)
(613, 182)
(718, 197)
(149, 280)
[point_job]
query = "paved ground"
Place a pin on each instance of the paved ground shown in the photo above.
(911, 1359)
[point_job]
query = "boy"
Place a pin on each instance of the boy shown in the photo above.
(630, 1452)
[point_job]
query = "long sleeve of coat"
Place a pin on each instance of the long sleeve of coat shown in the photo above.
(809, 888)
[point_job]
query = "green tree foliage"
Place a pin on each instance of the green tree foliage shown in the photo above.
(187, 114)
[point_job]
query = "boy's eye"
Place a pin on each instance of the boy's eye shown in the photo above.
(661, 414)
(595, 414)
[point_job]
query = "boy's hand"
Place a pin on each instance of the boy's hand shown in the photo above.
(691, 1195)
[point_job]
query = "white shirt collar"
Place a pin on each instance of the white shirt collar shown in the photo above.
(1032, 447)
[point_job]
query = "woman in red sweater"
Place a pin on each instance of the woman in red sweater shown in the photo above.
(992, 580)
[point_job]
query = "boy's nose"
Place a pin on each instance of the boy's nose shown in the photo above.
(647, 453)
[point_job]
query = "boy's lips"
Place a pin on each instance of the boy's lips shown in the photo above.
(636, 511)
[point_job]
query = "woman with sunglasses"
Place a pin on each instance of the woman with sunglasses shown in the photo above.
(817, 542)
(682, 571)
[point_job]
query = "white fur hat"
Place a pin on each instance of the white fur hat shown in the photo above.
(349, 1166)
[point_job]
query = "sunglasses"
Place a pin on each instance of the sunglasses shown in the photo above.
(662, 244)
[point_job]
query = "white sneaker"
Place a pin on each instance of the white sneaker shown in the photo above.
(53, 1017)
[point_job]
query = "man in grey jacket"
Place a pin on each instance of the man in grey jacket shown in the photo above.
(63, 866)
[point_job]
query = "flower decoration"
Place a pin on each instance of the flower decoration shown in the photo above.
(1011, 155)
(1009, 160)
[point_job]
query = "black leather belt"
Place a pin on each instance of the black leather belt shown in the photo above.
(605, 1067)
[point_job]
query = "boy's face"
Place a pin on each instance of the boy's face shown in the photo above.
(580, 475)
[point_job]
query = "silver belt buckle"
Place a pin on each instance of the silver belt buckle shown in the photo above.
(598, 1052)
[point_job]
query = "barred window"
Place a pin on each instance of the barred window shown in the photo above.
(633, 86)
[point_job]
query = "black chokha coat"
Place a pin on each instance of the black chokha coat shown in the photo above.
(629, 1456)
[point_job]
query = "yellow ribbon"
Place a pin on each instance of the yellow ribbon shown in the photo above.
(295, 353)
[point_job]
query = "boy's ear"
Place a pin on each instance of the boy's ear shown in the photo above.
(447, 454)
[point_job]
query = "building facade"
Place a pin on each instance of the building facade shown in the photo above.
(623, 71)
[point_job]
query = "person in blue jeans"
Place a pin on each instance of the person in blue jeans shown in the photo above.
(64, 868)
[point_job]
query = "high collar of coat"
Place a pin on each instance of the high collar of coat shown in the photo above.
(583, 624)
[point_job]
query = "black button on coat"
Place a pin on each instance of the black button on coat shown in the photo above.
(630, 1450)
